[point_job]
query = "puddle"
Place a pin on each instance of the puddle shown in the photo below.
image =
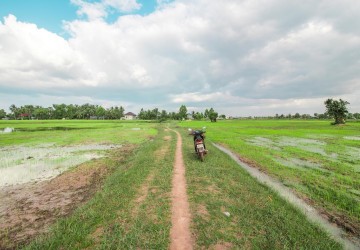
(22, 164)
(263, 142)
(299, 164)
(309, 145)
(356, 168)
(311, 213)
(50, 129)
(353, 153)
(293, 141)
(7, 130)
(354, 138)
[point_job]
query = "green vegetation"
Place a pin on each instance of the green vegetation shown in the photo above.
(60, 111)
(131, 211)
(337, 109)
(68, 132)
(320, 162)
(231, 209)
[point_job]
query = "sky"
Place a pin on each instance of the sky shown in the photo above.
(241, 57)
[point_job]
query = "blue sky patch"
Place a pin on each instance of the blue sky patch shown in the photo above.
(50, 14)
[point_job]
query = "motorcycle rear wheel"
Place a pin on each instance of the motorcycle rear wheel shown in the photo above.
(201, 156)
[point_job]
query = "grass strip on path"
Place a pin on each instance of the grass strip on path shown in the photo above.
(132, 211)
(231, 209)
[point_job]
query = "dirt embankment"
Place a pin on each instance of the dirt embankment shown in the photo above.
(28, 210)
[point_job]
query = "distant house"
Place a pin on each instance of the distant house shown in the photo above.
(22, 116)
(94, 117)
(130, 116)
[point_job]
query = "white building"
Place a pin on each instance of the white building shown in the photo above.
(130, 116)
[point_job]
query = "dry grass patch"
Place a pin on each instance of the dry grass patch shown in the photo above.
(222, 246)
(144, 190)
(203, 212)
(162, 152)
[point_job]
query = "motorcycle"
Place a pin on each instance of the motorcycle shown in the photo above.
(199, 142)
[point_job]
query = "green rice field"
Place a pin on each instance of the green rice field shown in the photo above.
(230, 209)
(320, 162)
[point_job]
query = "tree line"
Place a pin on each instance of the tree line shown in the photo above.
(63, 111)
(182, 114)
(321, 116)
(335, 109)
(90, 111)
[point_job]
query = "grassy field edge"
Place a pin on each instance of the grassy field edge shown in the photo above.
(131, 211)
(231, 209)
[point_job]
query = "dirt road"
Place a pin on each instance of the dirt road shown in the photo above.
(180, 234)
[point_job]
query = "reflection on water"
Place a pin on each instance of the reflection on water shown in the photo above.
(7, 130)
(50, 129)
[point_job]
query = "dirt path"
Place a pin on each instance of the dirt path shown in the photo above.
(180, 235)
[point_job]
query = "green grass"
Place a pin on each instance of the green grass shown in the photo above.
(116, 218)
(68, 132)
(132, 210)
(259, 218)
(274, 146)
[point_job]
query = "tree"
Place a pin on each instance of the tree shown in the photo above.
(182, 112)
(206, 113)
(2, 113)
(14, 111)
(100, 112)
(163, 116)
(337, 110)
(213, 115)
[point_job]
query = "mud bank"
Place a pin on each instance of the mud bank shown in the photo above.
(28, 210)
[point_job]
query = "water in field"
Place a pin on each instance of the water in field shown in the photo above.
(51, 129)
(309, 145)
(353, 152)
(354, 138)
(6, 130)
(263, 142)
(299, 164)
(20, 164)
(310, 212)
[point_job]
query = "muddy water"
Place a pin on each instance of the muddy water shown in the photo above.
(309, 145)
(299, 164)
(311, 213)
(20, 164)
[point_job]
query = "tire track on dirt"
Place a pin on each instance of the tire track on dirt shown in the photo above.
(180, 235)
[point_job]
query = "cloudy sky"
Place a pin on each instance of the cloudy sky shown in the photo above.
(241, 57)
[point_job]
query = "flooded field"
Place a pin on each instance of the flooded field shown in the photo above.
(319, 161)
(49, 168)
(21, 164)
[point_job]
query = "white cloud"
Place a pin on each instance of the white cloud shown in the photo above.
(99, 10)
(239, 56)
(123, 5)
